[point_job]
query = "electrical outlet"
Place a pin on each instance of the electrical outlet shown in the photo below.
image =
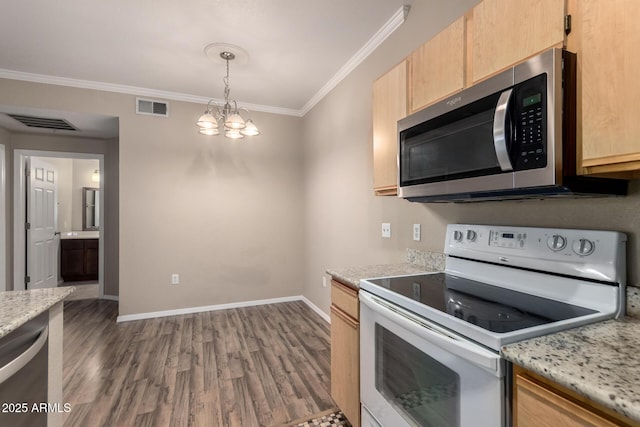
(175, 279)
(386, 229)
(324, 281)
(416, 232)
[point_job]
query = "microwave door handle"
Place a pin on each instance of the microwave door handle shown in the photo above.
(500, 131)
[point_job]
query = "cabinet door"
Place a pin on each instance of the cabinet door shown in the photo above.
(507, 31)
(437, 67)
(91, 259)
(610, 89)
(389, 106)
(345, 364)
(540, 406)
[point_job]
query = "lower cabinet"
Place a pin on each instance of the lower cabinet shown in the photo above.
(539, 402)
(345, 351)
(79, 259)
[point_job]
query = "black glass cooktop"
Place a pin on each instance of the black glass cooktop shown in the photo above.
(490, 307)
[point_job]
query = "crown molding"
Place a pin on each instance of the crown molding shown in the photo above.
(381, 35)
(135, 90)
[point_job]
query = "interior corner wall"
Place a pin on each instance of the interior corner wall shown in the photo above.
(343, 218)
(8, 272)
(226, 216)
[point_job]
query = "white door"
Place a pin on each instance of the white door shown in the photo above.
(42, 241)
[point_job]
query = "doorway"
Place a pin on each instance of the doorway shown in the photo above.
(75, 176)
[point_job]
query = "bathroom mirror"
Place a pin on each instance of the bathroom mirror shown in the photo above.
(90, 208)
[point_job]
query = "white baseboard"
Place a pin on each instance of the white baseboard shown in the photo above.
(111, 297)
(315, 308)
(190, 310)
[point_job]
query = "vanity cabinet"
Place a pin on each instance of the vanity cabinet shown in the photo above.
(538, 402)
(79, 259)
(605, 37)
(345, 350)
(505, 32)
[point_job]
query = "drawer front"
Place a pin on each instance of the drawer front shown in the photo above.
(71, 244)
(345, 298)
(91, 244)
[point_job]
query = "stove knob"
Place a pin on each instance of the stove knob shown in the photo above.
(583, 247)
(556, 242)
(457, 236)
(471, 235)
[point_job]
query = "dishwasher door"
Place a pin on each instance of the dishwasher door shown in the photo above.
(24, 374)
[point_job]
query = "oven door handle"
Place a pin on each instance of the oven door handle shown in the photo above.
(436, 335)
(501, 131)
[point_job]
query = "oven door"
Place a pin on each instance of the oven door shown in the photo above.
(414, 373)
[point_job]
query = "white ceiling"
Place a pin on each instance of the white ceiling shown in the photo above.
(294, 47)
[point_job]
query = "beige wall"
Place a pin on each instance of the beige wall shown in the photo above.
(343, 218)
(225, 216)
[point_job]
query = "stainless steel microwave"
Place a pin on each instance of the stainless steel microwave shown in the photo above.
(511, 136)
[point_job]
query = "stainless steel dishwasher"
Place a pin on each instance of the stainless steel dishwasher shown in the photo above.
(24, 374)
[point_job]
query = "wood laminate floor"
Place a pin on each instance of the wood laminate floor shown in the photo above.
(255, 366)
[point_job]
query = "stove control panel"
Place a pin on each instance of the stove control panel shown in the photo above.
(507, 239)
(594, 254)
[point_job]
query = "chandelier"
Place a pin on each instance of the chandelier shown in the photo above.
(226, 118)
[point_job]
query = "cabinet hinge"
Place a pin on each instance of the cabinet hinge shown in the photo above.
(27, 280)
(27, 226)
(567, 24)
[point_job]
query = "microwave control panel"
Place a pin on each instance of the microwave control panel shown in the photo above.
(529, 119)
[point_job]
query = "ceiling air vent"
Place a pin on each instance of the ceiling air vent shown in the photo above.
(43, 122)
(152, 108)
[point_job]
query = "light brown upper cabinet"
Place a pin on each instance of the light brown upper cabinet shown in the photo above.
(506, 31)
(606, 39)
(389, 106)
(438, 66)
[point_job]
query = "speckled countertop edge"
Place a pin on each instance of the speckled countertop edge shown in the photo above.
(352, 275)
(18, 307)
(599, 361)
(417, 262)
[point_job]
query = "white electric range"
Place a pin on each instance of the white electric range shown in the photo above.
(430, 343)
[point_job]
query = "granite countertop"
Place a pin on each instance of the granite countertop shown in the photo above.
(352, 275)
(18, 307)
(418, 261)
(91, 234)
(599, 361)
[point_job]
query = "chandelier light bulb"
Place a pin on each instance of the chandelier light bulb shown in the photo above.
(233, 134)
(207, 121)
(210, 131)
(250, 129)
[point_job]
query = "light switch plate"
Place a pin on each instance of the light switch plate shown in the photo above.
(416, 232)
(386, 229)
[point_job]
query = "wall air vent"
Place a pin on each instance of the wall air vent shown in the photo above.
(43, 122)
(152, 108)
